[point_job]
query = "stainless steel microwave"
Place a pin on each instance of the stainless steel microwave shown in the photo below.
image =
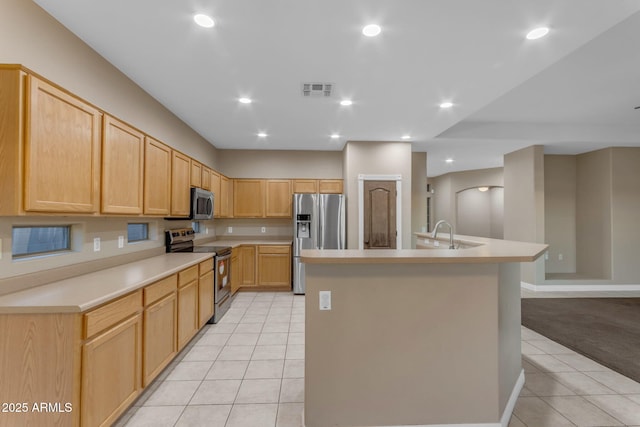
(201, 204)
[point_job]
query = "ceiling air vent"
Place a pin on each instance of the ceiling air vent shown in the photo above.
(316, 89)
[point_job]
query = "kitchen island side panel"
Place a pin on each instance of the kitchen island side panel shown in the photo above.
(402, 344)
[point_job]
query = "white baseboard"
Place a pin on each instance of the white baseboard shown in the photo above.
(599, 287)
(504, 421)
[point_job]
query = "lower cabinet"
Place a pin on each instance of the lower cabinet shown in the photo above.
(274, 266)
(160, 320)
(248, 263)
(205, 292)
(111, 372)
(236, 270)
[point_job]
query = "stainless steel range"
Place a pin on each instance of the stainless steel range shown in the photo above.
(181, 240)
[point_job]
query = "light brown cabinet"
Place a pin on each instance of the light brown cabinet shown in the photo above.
(205, 292)
(187, 305)
(217, 197)
(330, 186)
(278, 198)
(159, 331)
(226, 197)
(248, 264)
(248, 198)
(50, 145)
(180, 188)
(196, 174)
(206, 178)
(274, 266)
(308, 186)
(122, 168)
(157, 178)
(114, 345)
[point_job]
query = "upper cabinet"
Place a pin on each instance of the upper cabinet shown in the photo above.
(122, 168)
(278, 198)
(206, 178)
(196, 174)
(305, 186)
(330, 186)
(50, 145)
(157, 178)
(226, 197)
(180, 189)
(215, 189)
(248, 198)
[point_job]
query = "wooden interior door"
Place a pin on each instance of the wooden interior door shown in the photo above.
(380, 215)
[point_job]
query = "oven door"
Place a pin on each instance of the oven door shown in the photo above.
(223, 277)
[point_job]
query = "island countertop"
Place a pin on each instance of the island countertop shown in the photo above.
(477, 250)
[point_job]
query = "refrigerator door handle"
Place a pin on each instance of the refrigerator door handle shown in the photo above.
(321, 220)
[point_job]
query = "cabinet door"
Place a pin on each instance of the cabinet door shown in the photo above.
(217, 195)
(248, 263)
(330, 186)
(248, 198)
(157, 178)
(206, 178)
(122, 167)
(274, 266)
(111, 372)
(62, 151)
(196, 174)
(180, 189)
(205, 298)
(236, 270)
(226, 196)
(187, 313)
(159, 335)
(278, 198)
(309, 186)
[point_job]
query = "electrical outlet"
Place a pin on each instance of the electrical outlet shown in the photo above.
(325, 300)
(229, 230)
(546, 256)
(206, 230)
(96, 244)
(120, 242)
(263, 230)
(560, 257)
(0, 248)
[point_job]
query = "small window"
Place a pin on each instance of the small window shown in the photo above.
(137, 232)
(30, 241)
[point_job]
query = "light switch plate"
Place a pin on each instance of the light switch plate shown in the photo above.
(96, 244)
(229, 230)
(263, 230)
(0, 248)
(325, 300)
(120, 242)
(206, 230)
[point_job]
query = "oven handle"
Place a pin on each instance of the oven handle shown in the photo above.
(223, 257)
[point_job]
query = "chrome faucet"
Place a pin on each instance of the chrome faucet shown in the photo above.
(434, 233)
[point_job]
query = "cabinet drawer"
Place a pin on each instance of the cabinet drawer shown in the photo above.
(206, 266)
(187, 275)
(159, 289)
(273, 249)
(112, 313)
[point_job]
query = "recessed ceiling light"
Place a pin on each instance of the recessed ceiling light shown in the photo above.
(245, 100)
(537, 33)
(335, 136)
(204, 20)
(371, 30)
(449, 160)
(446, 105)
(406, 137)
(262, 135)
(346, 102)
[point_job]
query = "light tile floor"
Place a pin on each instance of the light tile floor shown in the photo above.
(248, 371)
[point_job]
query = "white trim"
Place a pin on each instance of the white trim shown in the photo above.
(600, 287)
(398, 180)
(504, 421)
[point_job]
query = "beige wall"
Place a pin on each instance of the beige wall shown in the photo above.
(593, 207)
(560, 212)
(524, 203)
(376, 158)
(418, 194)
(448, 185)
(480, 213)
(280, 164)
(31, 37)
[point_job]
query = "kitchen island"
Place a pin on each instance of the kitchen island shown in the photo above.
(415, 337)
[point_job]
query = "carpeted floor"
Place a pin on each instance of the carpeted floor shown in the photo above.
(606, 330)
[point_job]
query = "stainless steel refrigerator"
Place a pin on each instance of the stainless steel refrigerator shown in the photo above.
(318, 223)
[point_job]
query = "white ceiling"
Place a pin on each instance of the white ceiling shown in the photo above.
(571, 91)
